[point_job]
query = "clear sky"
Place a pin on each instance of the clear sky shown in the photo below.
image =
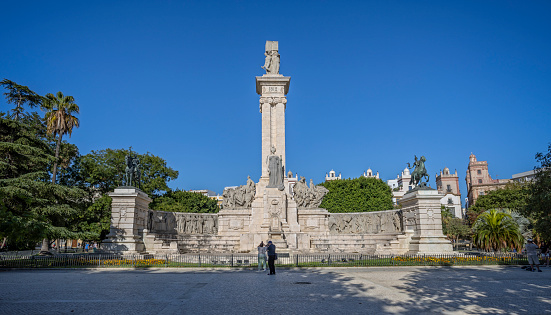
(372, 82)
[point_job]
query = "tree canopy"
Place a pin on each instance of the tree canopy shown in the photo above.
(539, 203)
(32, 207)
(185, 201)
(357, 195)
(513, 197)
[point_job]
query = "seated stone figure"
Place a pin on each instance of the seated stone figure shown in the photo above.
(239, 197)
(308, 197)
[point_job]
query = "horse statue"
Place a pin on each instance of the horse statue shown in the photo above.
(419, 171)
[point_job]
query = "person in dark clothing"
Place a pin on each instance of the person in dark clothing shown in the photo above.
(271, 257)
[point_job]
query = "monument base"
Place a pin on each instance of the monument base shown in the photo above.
(423, 219)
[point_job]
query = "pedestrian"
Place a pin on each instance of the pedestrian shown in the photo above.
(86, 247)
(532, 253)
(272, 256)
(545, 254)
(261, 257)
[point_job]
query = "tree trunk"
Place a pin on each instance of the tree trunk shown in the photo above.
(54, 173)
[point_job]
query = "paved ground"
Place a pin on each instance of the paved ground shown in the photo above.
(381, 290)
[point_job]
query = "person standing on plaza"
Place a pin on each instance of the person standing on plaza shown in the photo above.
(532, 253)
(271, 257)
(86, 247)
(261, 257)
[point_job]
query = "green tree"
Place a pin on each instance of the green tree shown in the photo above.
(496, 230)
(357, 195)
(31, 207)
(60, 120)
(100, 172)
(185, 201)
(539, 204)
(513, 197)
(19, 95)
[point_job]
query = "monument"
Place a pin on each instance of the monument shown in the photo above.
(271, 210)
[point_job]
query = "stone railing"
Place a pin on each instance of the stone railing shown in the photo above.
(389, 221)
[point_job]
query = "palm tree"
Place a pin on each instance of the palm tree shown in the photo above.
(495, 230)
(60, 120)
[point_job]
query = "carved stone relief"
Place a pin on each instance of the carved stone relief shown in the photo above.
(366, 223)
(183, 223)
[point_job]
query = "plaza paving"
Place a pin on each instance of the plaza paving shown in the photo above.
(380, 290)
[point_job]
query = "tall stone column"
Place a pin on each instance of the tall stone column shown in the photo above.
(423, 222)
(129, 215)
(272, 89)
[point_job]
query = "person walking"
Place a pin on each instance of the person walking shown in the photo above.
(261, 257)
(532, 253)
(271, 257)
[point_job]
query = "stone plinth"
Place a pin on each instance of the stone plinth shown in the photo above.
(129, 215)
(423, 222)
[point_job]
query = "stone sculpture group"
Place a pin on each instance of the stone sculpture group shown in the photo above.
(308, 197)
(239, 197)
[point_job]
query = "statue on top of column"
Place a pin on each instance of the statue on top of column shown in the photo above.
(271, 64)
(276, 169)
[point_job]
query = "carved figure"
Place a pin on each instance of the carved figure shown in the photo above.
(275, 170)
(271, 62)
(308, 197)
(132, 174)
(241, 196)
(419, 172)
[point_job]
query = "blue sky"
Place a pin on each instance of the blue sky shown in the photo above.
(372, 82)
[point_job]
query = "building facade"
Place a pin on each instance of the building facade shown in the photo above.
(479, 181)
(448, 184)
(400, 186)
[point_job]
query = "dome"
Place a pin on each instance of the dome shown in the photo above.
(472, 157)
(406, 171)
(446, 171)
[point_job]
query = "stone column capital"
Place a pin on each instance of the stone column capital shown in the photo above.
(273, 101)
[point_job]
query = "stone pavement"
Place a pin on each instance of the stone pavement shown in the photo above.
(375, 290)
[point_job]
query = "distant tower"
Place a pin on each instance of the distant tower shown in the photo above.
(331, 176)
(448, 184)
(479, 181)
(369, 174)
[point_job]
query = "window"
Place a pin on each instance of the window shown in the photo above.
(480, 181)
(450, 201)
(479, 172)
(481, 193)
(449, 188)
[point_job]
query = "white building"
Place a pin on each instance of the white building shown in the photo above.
(448, 184)
(524, 176)
(331, 176)
(369, 174)
(400, 186)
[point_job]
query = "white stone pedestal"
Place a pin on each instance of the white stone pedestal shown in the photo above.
(129, 215)
(423, 221)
